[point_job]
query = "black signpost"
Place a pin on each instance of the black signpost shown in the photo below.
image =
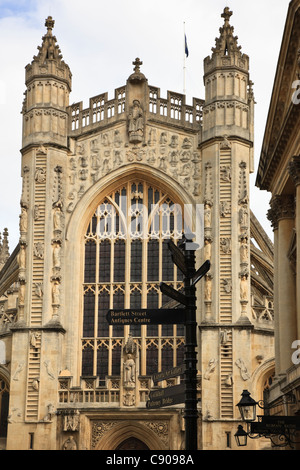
(166, 396)
(184, 258)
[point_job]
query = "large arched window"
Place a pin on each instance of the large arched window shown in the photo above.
(126, 257)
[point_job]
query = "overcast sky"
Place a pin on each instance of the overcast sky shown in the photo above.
(99, 40)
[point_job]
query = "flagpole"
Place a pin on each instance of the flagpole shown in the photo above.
(184, 58)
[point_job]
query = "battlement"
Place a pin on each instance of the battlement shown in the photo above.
(102, 111)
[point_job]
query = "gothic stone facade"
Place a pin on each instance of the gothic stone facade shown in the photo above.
(89, 178)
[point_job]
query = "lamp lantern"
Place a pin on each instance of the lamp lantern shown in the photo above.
(247, 407)
(241, 436)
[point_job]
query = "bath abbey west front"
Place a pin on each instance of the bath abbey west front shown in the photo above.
(104, 190)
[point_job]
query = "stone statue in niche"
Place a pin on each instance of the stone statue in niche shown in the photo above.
(243, 217)
(208, 288)
(244, 287)
(207, 248)
(55, 293)
(22, 256)
(129, 367)
(136, 123)
(57, 218)
(23, 219)
(129, 371)
(56, 256)
(244, 251)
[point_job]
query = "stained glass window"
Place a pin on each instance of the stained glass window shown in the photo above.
(126, 257)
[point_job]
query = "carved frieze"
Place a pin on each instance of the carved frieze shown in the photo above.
(173, 153)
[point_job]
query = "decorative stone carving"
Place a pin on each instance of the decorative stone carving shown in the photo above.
(70, 444)
(224, 208)
(225, 173)
(48, 370)
(40, 175)
(227, 285)
(210, 369)
(225, 245)
(294, 168)
(71, 420)
(38, 290)
(38, 250)
(225, 144)
(282, 207)
(243, 369)
(19, 369)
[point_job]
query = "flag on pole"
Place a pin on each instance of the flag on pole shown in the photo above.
(186, 46)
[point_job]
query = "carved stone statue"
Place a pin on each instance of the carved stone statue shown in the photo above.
(136, 123)
(129, 371)
(23, 220)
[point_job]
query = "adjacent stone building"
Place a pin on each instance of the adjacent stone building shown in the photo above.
(278, 173)
(104, 189)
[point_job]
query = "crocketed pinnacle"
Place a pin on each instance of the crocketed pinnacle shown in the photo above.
(49, 50)
(227, 43)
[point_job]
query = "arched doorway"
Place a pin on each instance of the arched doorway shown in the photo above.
(132, 443)
(4, 402)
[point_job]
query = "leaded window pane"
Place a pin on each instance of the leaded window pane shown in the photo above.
(126, 257)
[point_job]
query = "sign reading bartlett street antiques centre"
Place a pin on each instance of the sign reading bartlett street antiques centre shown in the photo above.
(145, 316)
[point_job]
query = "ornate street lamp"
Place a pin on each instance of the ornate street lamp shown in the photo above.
(281, 430)
(247, 407)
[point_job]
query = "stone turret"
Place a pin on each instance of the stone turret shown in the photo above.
(48, 82)
(227, 153)
(228, 90)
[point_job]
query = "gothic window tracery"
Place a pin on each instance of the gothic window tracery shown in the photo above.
(126, 257)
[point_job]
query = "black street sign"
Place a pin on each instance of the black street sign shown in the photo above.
(145, 316)
(200, 272)
(168, 374)
(166, 396)
(275, 424)
(177, 256)
(174, 294)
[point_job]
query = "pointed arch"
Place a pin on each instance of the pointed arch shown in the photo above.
(75, 247)
(130, 430)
